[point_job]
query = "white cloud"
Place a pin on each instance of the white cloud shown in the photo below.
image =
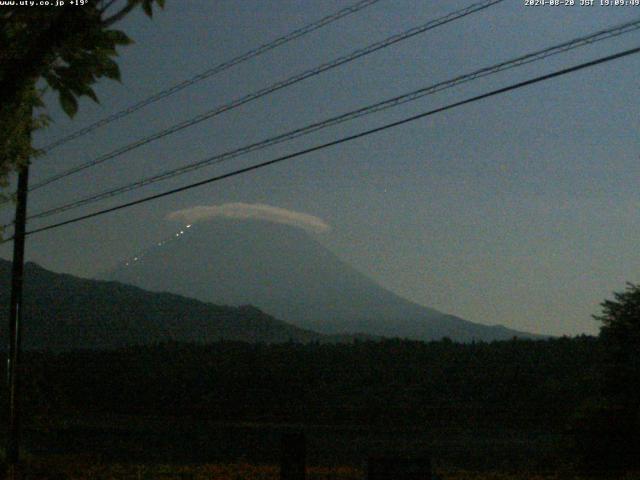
(246, 211)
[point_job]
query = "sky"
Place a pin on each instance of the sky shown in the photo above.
(520, 210)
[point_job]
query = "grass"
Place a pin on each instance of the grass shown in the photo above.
(78, 468)
(61, 468)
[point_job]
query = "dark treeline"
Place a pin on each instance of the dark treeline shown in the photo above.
(509, 384)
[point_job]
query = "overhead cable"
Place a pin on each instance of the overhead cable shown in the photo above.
(273, 88)
(212, 71)
(377, 107)
(339, 141)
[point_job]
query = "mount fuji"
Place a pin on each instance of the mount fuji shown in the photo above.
(281, 269)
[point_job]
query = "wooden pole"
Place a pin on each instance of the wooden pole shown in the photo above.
(15, 326)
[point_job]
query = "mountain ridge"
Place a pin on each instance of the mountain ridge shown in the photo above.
(290, 275)
(64, 312)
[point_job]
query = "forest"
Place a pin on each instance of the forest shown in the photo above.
(476, 405)
(392, 382)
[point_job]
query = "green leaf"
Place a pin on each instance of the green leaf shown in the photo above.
(110, 69)
(148, 9)
(117, 37)
(69, 103)
(91, 94)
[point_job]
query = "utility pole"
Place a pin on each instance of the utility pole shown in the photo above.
(15, 327)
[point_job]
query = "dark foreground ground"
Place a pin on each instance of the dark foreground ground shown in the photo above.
(146, 448)
(187, 441)
(506, 407)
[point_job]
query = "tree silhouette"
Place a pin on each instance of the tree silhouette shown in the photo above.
(70, 48)
(620, 337)
(608, 434)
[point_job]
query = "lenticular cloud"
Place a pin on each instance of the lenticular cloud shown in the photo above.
(247, 211)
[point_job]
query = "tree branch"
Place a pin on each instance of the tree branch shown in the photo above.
(107, 22)
(107, 6)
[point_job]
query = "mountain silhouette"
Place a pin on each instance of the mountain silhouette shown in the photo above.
(285, 272)
(63, 312)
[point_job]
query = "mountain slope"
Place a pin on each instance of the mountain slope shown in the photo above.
(285, 272)
(64, 312)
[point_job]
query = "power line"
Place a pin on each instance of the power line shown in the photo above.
(274, 87)
(380, 106)
(365, 133)
(213, 71)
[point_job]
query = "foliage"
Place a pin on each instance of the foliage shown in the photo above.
(607, 428)
(501, 385)
(70, 48)
(15, 130)
(153, 403)
(606, 437)
(621, 317)
(620, 335)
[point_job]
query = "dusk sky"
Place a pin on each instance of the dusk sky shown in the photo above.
(520, 210)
